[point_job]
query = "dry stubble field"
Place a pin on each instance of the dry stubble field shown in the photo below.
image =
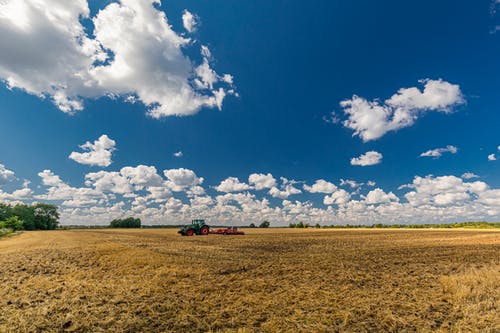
(275, 280)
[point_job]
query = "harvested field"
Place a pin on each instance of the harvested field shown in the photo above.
(275, 280)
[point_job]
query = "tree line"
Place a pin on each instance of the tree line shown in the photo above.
(128, 222)
(39, 216)
(265, 224)
(475, 225)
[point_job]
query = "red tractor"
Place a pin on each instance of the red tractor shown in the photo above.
(227, 231)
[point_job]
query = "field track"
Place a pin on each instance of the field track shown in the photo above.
(276, 280)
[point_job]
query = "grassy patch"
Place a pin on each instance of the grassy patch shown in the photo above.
(5, 232)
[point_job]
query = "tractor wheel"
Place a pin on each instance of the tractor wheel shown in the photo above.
(189, 232)
(204, 231)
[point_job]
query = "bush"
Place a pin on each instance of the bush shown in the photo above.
(129, 222)
(4, 231)
(13, 223)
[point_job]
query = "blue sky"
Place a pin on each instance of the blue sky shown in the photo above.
(292, 93)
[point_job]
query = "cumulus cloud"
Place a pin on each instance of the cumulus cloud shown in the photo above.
(178, 154)
(18, 195)
(286, 189)
(232, 184)
(352, 183)
(339, 197)
(371, 120)
(97, 153)
(130, 180)
(493, 157)
(105, 181)
(321, 186)
(378, 196)
(181, 179)
(261, 181)
(142, 192)
(370, 158)
(190, 21)
(469, 175)
(132, 52)
(438, 152)
(142, 176)
(443, 191)
(71, 196)
(6, 175)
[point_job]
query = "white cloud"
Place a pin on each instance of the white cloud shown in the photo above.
(232, 184)
(6, 175)
(287, 189)
(469, 175)
(174, 205)
(97, 153)
(141, 192)
(321, 186)
(438, 152)
(132, 52)
(71, 196)
(18, 195)
(339, 197)
(351, 183)
(443, 191)
(105, 181)
(50, 179)
(493, 157)
(181, 179)
(228, 78)
(159, 193)
(142, 176)
(130, 180)
(207, 77)
(189, 21)
(371, 120)
(261, 181)
(195, 191)
(378, 196)
(178, 154)
(370, 158)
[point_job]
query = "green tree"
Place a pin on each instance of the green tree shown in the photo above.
(265, 224)
(5, 211)
(13, 223)
(252, 225)
(129, 222)
(46, 216)
(26, 214)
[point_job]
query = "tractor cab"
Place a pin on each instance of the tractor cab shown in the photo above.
(198, 223)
